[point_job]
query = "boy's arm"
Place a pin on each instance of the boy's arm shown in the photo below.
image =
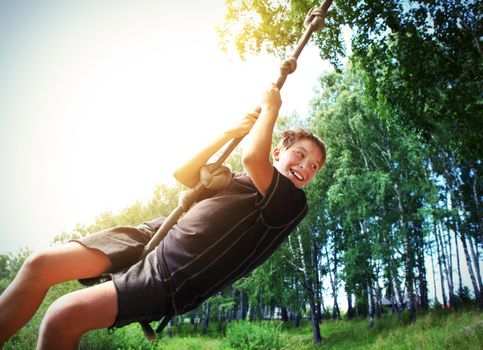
(256, 153)
(189, 173)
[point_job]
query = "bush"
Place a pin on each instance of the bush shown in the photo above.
(464, 297)
(250, 336)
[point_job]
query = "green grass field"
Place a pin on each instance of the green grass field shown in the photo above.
(440, 329)
(435, 330)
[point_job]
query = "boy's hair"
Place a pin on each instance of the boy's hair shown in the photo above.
(289, 137)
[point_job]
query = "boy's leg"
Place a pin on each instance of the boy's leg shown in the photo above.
(76, 313)
(23, 296)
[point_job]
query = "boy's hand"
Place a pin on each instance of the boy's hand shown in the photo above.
(256, 153)
(244, 125)
(189, 172)
(271, 99)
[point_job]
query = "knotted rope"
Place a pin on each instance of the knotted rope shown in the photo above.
(211, 178)
(215, 176)
(314, 21)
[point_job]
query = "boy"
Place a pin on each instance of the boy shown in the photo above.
(219, 240)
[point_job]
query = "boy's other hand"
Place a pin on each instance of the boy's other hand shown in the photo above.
(271, 99)
(244, 125)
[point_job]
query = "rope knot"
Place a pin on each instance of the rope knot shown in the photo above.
(315, 18)
(288, 66)
(215, 179)
(211, 178)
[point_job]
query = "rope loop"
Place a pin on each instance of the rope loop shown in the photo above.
(288, 66)
(215, 178)
(315, 18)
(212, 178)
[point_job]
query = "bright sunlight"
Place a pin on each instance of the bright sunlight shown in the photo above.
(101, 100)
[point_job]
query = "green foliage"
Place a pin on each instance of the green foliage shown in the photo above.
(132, 338)
(10, 265)
(464, 297)
(253, 26)
(422, 59)
(26, 338)
(163, 201)
(251, 336)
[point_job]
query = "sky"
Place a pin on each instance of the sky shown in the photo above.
(100, 100)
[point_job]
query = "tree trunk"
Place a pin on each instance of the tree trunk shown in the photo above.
(206, 318)
(260, 311)
(398, 302)
(333, 284)
(350, 310)
(476, 259)
(430, 247)
(284, 314)
(242, 307)
(250, 313)
(234, 308)
(458, 264)
(476, 202)
(169, 330)
(475, 280)
(440, 264)
(370, 303)
(310, 293)
(469, 265)
(476, 290)
(408, 256)
(447, 271)
(195, 321)
(378, 303)
(317, 292)
(448, 253)
(422, 280)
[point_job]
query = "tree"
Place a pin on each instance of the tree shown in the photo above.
(419, 63)
(420, 57)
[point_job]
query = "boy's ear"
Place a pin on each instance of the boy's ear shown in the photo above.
(276, 154)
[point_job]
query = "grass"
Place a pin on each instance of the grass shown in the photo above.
(437, 329)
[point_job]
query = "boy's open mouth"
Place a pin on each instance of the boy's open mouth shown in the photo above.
(297, 174)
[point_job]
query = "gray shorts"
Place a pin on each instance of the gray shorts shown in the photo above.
(141, 293)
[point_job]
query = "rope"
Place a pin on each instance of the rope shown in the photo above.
(215, 176)
(211, 178)
(314, 21)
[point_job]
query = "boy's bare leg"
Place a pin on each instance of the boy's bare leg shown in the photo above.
(21, 299)
(76, 313)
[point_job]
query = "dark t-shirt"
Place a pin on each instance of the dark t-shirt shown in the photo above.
(224, 237)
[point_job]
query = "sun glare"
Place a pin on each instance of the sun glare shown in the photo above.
(102, 102)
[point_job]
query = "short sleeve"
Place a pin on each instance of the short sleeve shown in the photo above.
(284, 203)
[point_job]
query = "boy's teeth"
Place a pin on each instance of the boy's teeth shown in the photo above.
(297, 175)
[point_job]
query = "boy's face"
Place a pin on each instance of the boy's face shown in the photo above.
(300, 162)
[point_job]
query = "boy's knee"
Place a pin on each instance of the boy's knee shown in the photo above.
(35, 264)
(61, 327)
(63, 317)
(40, 269)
